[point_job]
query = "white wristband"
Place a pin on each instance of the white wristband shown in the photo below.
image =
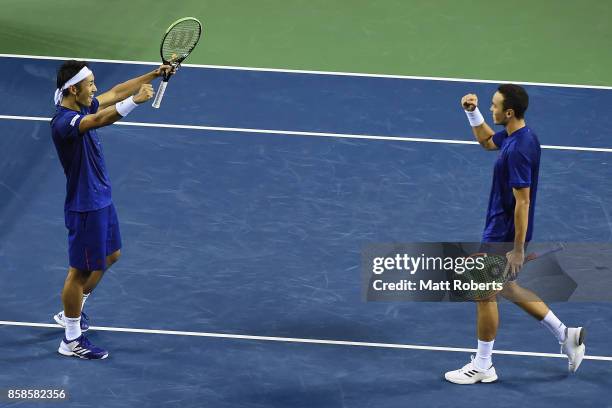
(475, 117)
(125, 106)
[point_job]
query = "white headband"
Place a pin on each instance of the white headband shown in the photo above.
(81, 75)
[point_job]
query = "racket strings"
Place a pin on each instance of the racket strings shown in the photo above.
(493, 271)
(180, 40)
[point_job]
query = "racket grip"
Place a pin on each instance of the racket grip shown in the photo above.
(160, 94)
(559, 247)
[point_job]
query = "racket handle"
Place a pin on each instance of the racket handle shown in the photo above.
(160, 94)
(559, 247)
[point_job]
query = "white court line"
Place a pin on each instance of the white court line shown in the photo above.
(300, 71)
(311, 134)
(298, 340)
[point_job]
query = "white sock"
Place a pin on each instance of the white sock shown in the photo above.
(73, 327)
(85, 296)
(483, 358)
(555, 326)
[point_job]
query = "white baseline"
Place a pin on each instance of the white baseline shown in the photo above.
(310, 134)
(311, 72)
(298, 340)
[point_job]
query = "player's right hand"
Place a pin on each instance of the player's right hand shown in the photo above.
(144, 93)
(469, 102)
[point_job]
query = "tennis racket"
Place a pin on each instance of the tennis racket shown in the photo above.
(495, 271)
(179, 40)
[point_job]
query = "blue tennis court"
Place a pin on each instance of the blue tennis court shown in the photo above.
(245, 202)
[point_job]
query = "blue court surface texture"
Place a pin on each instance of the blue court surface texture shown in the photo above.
(252, 229)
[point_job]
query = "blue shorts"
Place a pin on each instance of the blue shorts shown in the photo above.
(92, 236)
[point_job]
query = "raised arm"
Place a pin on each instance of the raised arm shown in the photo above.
(480, 129)
(129, 88)
(113, 113)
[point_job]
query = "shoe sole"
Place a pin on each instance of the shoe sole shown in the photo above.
(484, 381)
(490, 380)
(581, 337)
(71, 354)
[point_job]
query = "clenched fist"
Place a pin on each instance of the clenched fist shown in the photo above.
(469, 102)
(144, 93)
(166, 70)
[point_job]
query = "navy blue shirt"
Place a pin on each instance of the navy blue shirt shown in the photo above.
(517, 166)
(88, 186)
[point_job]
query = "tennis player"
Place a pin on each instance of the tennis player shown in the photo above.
(509, 227)
(94, 239)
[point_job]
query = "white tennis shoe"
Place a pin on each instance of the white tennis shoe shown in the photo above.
(469, 374)
(573, 347)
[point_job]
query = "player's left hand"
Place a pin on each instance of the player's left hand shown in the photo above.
(516, 259)
(165, 70)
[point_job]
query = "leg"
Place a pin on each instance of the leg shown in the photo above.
(74, 342)
(525, 299)
(87, 238)
(488, 319)
(94, 244)
(571, 339)
(72, 293)
(112, 243)
(96, 276)
(480, 369)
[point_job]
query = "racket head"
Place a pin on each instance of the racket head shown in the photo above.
(493, 272)
(179, 40)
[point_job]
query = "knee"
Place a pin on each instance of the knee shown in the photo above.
(487, 304)
(510, 290)
(77, 276)
(112, 258)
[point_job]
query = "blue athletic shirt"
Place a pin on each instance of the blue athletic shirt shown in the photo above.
(517, 166)
(88, 186)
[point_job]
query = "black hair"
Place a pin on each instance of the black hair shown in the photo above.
(515, 98)
(68, 70)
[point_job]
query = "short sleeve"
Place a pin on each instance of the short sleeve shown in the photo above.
(499, 137)
(67, 126)
(519, 169)
(95, 104)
